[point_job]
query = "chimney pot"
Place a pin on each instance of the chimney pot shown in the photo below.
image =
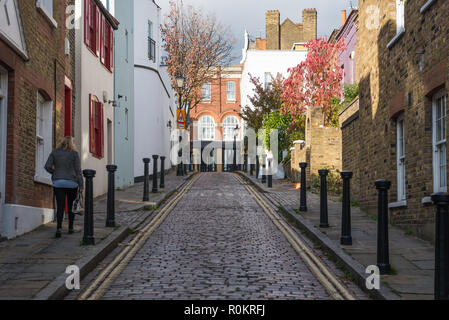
(343, 17)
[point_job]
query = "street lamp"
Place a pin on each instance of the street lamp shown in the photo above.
(180, 84)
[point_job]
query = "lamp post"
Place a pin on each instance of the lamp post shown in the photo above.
(180, 84)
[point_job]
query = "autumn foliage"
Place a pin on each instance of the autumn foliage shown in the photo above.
(315, 81)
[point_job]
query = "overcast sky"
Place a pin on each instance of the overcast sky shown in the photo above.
(250, 14)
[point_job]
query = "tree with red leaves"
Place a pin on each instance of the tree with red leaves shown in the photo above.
(315, 81)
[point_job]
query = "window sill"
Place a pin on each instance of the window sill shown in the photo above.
(231, 101)
(42, 180)
(395, 39)
(206, 101)
(96, 156)
(427, 5)
(399, 204)
(41, 8)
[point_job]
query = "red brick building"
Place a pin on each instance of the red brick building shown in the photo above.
(35, 95)
(216, 118)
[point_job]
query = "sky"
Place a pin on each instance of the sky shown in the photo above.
(239, 15)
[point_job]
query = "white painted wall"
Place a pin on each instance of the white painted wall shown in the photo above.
(152, 103)
(91, 78)
(257, 62)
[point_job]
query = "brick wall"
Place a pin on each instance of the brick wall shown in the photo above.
(47, 60)
(322, 147)
(387, 77)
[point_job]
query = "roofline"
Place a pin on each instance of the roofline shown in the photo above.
(353, 12)
(111, 19)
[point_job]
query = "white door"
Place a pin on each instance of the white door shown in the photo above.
(3, 99)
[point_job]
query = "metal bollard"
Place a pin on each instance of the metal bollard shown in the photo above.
(146, 180)
(88, 238)
(179, 172)
(245, 163)
(270, 174)
(251, 167)
(383, 255)
(155, 160)
(264, 168)
(324, 220)
(162, 185)
(346, 238)
(257, 167)
(441, 200)
(303, 199)
(110, 216)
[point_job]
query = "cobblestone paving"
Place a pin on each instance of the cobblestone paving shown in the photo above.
(216, 244)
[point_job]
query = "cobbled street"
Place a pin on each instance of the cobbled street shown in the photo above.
(216, 244)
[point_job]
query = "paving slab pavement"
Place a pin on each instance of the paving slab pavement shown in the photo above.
(31, 264)
(412, 259)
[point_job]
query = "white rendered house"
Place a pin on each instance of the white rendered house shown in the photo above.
(154, 106)
(94, 102)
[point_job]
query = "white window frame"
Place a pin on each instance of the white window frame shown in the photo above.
(400, 151)
(231, 91)
(46, 7)
(44, 131)
(206, 88)
(439, 144)
(229, 124)
(206, 128)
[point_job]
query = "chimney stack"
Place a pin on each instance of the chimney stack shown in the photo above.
(343, 17)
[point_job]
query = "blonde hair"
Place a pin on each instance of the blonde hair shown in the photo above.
(67, 144)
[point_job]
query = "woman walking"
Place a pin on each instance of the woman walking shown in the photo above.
(65, 167)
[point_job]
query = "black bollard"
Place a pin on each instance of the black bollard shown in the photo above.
(270, 173)
(324, 220)
(383, 254)
(251, 167)
(155, 160)
(264, 168)
(257, 167)
(110, 216)
(245, 163)
(346, 238)
(303, 199)
(88, 238)
(162, 186)
(441, 200)
(146, 180)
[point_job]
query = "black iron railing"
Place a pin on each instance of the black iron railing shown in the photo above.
(152, 49)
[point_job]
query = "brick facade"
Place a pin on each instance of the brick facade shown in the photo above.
(284, 36)
(218, 107)
(47, 66)
(397, 80)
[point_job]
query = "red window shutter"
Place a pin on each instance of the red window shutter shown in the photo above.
(102, 39)
(101, 130)
(111, 48)
(86, 22)
(91, 125)
(97, 30)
